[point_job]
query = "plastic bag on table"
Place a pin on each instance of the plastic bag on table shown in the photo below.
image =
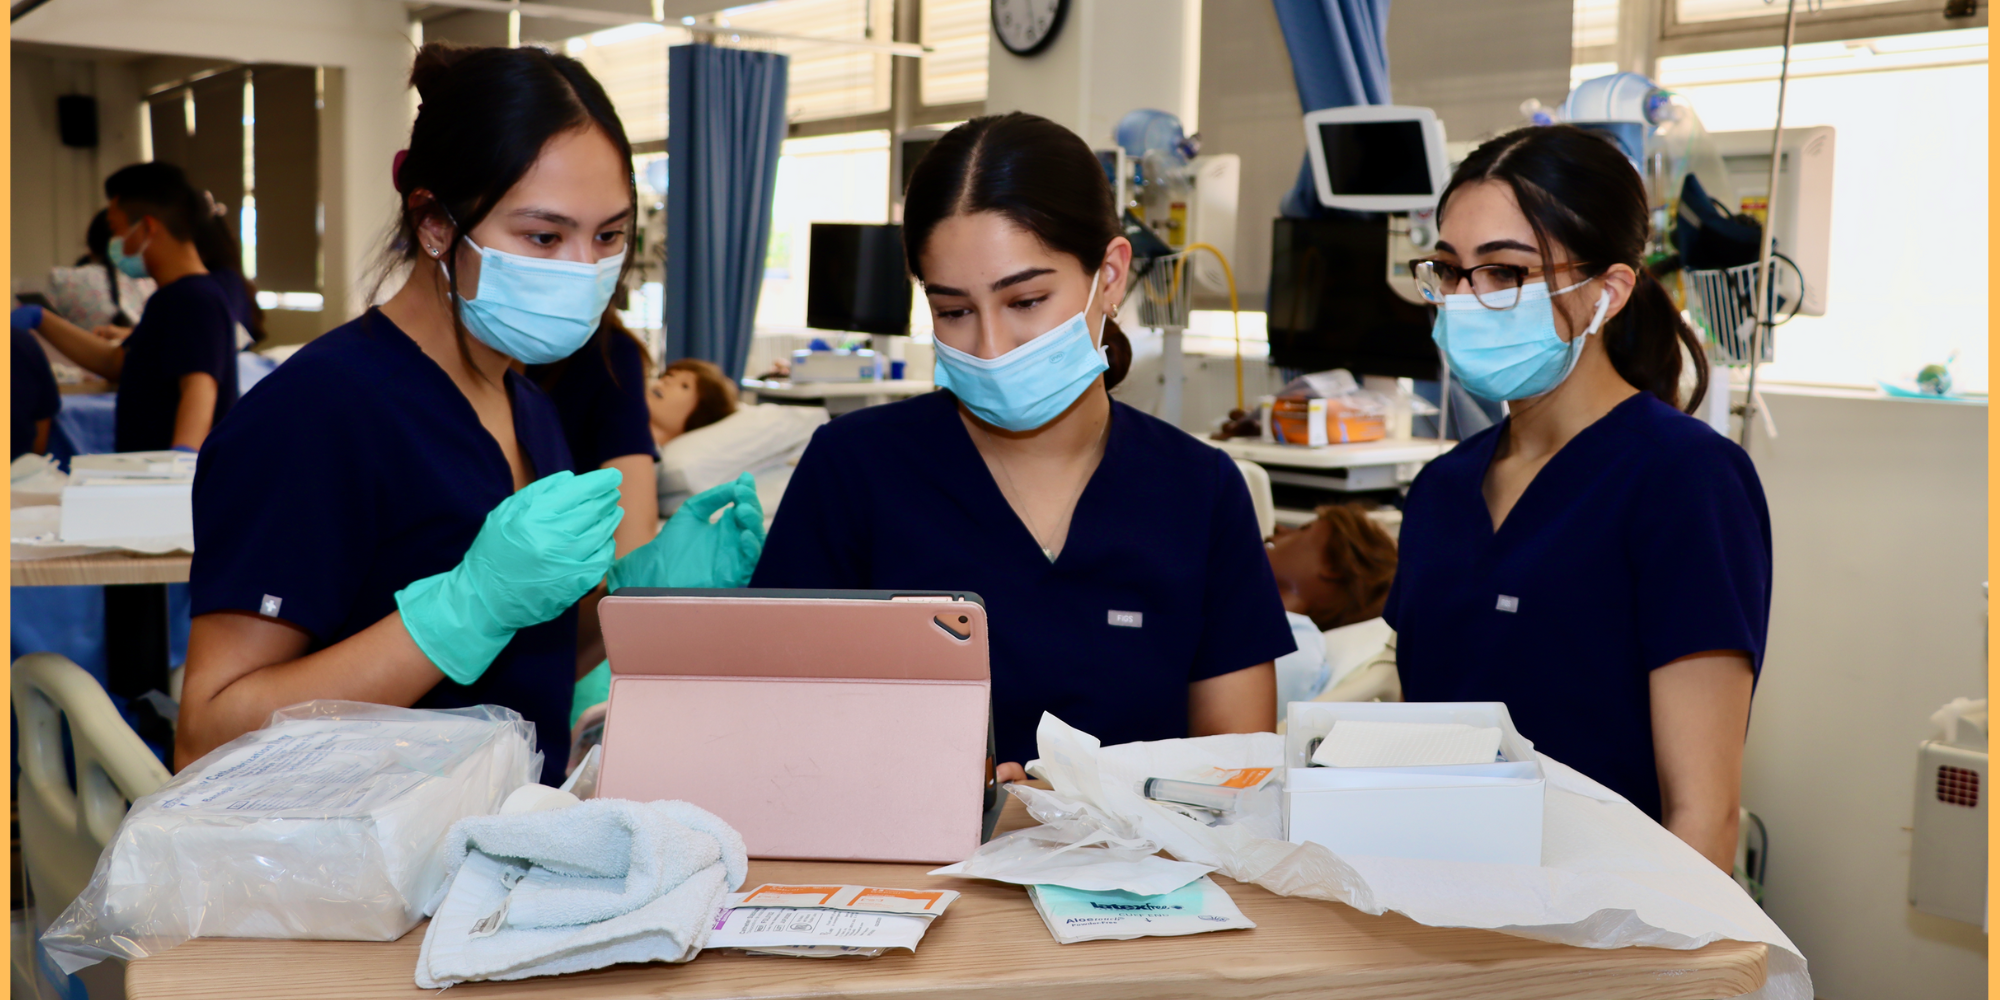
(1351, 413)
(328, 823)
(1078, 846)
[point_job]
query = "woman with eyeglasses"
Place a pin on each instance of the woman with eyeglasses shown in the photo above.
(1600, 560)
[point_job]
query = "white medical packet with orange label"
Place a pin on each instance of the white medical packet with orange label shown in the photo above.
(826, 921)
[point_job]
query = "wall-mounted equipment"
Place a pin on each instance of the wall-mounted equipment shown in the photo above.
(76, 120)
(1377, 158)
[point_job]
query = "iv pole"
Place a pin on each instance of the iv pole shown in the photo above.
(1766, 298)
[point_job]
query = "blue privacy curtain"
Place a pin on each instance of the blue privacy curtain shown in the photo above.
(725, 122)
(1340, 57)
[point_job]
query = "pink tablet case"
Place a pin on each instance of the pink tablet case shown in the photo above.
(821, 728)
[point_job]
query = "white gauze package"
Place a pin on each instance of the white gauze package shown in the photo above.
(329, 823)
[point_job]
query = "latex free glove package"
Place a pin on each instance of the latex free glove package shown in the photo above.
(329, 823)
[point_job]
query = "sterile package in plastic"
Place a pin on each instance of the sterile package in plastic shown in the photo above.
(329, 823)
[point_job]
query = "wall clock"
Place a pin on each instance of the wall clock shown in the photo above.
(1026, 27)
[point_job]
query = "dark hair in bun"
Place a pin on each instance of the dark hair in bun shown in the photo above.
(1039, 176)
(486, 114)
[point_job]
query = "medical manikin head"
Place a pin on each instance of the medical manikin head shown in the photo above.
(1564, 215)
(1008, 223)
(690, 394)
(517, 196)
(1336, 568)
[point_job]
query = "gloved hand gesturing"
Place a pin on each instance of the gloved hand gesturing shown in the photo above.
(538, 552)
(692, 552)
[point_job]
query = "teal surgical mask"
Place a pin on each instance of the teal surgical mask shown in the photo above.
(537, 310)
(132, 265)
(1509, 354)
(1032, 384)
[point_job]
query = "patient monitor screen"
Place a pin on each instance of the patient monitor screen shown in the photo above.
(1382, 158)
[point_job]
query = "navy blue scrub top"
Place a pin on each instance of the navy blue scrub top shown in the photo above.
(187, 327)
(600, 392)
(896, 497)
(1645, 539)
(356, 468)
(34, 395)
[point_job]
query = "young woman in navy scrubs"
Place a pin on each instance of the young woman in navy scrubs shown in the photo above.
(393, 517)
(1124, 580)
(1600, 560)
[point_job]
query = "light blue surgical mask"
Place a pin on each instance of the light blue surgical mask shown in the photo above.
(1511, 353)
(537, 310)
(1032, 384)
(130, 265)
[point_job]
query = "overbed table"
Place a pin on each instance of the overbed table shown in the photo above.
(992, 944)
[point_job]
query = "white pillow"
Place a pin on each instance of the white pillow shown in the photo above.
(748, 440)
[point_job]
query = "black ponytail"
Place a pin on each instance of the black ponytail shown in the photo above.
(1579, 192)
(1035, 173)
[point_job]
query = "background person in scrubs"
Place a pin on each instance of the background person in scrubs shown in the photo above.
(392, 516)
(1600, 560)
(176, 373)
(1125, 585)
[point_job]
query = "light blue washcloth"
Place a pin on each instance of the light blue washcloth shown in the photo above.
(583, 887)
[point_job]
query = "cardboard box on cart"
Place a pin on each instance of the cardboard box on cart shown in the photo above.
(1472, 812)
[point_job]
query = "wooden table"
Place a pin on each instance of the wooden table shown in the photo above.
(103, 568)
(992, 944)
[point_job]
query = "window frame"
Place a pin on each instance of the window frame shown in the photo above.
(1905, 17)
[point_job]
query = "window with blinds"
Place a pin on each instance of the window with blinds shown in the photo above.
(631, 63)
(1694, 11)
(954, 71)
(826, 81)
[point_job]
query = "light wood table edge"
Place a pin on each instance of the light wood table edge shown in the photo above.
(103, 568)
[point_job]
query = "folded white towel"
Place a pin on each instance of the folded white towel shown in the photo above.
(565, 890)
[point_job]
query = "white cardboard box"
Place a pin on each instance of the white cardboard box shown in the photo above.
(1474, 812)
(99, 510)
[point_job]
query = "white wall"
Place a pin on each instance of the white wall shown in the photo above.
(370, 40)
(1111, 57)
(1879, 522)
(56, 189)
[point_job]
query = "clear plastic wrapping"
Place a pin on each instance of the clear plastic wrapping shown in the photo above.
(329, 823)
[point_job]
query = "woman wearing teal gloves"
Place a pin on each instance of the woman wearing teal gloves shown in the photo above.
(392, 518)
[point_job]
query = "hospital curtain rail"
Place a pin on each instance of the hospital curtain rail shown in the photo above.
(725, 127)
(1340, 58)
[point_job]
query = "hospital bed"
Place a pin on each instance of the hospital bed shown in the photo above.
(764, 440)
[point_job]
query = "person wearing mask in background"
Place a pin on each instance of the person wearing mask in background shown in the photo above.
(34, 398)
(1118, 557)
(447, 540)
(176, 373)
(223, 257)
(1600, 560)
(95, 294)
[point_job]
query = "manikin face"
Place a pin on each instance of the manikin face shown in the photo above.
(1298, 561)
(670, 400)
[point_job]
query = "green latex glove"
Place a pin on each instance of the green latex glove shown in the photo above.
(691, 552)
(538, 552)
(593, 689)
